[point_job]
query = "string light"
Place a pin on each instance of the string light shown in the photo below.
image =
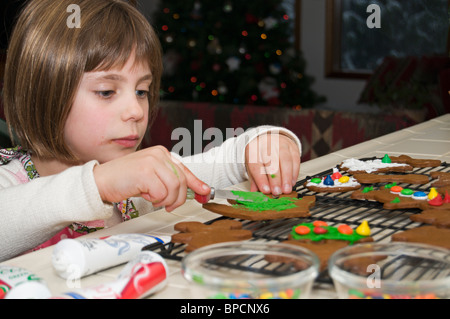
(214, 93)
(165, 28)
(279, 52)
(263, 36)
(193, 79)
(176, 16)
(244, 33)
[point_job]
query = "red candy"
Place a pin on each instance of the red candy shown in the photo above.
(345, 229)
(319, 223)
(437, 201)
(446, 198)
(319, 230)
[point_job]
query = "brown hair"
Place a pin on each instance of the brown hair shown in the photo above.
(46, 60)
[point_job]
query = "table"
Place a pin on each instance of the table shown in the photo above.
(429, 139)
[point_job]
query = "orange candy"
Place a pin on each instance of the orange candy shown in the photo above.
(345, 229)
(396, 189)
(319, 223)
(302, 230)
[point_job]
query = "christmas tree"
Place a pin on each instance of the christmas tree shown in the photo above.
(235, 52)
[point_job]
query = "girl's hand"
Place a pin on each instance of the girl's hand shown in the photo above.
(273, 163)
(151, 173)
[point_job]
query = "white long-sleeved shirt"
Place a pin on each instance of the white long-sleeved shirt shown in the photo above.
(34, 211)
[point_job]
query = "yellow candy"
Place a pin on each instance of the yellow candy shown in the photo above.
(432, 194)
(363, 229)
(344, 179)
(266, 295)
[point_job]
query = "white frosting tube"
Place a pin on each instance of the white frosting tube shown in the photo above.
(74, 258)
(19, 283)
(145, 274)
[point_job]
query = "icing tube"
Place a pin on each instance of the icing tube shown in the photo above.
(19, 283)
(145, 274)
(74, 259)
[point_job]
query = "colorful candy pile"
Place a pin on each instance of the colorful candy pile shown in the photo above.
(285, 294)
(319, 230)
(335, 179)
(433, 197)
(357, 294)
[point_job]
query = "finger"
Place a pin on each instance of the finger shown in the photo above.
(173, 178)
(258, 175)
(286, 168)
(194, 183)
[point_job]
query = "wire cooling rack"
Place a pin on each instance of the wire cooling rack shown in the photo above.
(333, 208)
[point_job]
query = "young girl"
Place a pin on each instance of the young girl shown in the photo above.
(80, 100)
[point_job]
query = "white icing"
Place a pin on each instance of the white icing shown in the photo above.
(369, 166)
(352, 182)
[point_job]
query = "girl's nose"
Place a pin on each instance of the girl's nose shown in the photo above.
(135, 108)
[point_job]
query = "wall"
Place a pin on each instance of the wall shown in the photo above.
(342, 94)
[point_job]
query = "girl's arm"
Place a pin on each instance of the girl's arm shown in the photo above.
(34, 212)
(225, 165)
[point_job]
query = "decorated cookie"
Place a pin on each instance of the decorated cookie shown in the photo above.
(431, 235)
(263, 207)
(354, 166)
(436, 217)
(395, 197)
(368, 178)
(440, 179)
(324, 240)
(196, 234)
(335, 182)
(415, 162)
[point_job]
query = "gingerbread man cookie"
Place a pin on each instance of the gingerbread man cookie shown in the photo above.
(395, 197)
(431, 235)
(196, 234)
(415, 162)
(354, 166)
(265, 207)
(324, 240)
(334, 183)
(368, 178)
(441, 179)
(436, 217)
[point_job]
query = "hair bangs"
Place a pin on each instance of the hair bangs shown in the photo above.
(112, 45)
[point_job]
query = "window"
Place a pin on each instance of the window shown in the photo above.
(356, 45)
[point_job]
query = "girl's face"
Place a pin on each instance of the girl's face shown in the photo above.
(109, 116)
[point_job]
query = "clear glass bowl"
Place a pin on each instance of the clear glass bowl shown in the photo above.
(250, 270)
(391, 271)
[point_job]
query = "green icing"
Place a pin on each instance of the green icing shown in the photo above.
(390, 185)
(367, 189)
(396, 200)
(257, 201)
(332, 233)
(316, 180)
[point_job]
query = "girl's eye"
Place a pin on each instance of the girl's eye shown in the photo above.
(105, 94)
(142, 93)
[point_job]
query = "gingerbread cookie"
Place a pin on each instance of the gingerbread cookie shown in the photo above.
(395, 197)
(436, 217)
(367, 178)
(431, 235)
(335, 183)
(265, 207)
(354, 166)
(324, 240)
(415, 162)
(196, 234)
(441, 179)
